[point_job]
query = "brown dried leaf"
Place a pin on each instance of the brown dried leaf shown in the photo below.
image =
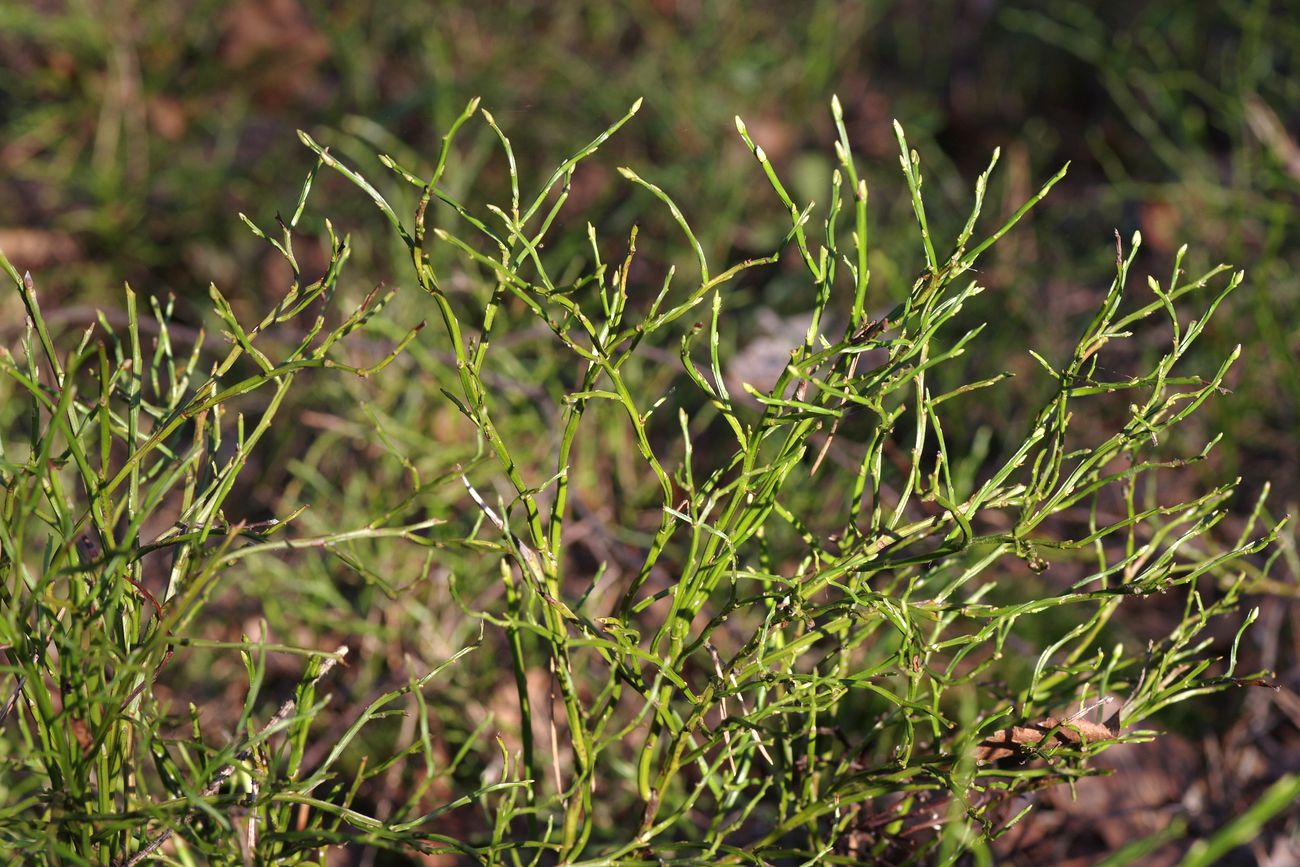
(1012, 741)
(38, 248)
(167, 116)
(81, 732)
(276, 43)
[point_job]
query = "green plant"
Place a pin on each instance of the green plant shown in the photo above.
(787, 663)
(119, 438)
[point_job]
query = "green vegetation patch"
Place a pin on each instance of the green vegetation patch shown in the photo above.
(569, 592)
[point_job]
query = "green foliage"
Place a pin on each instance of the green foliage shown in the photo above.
(772, 661)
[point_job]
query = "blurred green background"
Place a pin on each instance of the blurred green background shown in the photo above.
(133, 133)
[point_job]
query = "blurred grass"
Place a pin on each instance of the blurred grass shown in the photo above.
(130, 140)
(132, 133)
